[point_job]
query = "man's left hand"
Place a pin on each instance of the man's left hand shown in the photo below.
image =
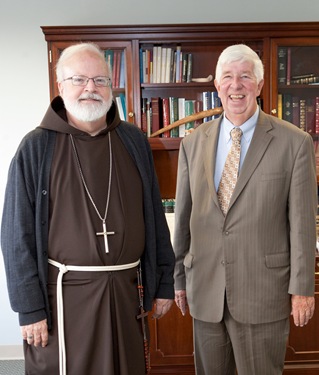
(161, 307)
(302, 309)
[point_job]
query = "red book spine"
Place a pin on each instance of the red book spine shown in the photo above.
(166, 116)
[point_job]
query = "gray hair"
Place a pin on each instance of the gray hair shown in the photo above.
(242, 53)
(69, 52)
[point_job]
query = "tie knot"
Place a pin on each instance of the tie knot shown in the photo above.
(236, 134)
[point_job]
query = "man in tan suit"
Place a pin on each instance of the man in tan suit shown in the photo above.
(243, 271)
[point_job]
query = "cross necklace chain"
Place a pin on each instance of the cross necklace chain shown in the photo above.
(105, 233)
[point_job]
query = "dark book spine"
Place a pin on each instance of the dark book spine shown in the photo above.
(282, 65)
(156, 114)
(144, 116)
(310, 116)
(287, 107)
(173, 107)
(295, 111)
(302, 114)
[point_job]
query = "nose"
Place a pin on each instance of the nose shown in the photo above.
(90, 86)
(236, 82)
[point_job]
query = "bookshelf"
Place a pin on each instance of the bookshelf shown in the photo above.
(171, 337)
(295, 94)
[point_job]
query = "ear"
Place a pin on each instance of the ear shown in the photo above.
(216, 84)
(60, 87)
(260, 86)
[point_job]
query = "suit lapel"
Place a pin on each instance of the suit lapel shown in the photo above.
(209, 147)
(257, 148)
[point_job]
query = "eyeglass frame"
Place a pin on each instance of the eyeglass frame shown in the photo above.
(108, 80)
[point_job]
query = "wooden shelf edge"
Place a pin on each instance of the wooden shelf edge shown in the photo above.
(161, 144)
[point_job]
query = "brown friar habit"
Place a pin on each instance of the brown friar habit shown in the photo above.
(102, 334)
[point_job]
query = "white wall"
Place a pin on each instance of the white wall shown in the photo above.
(24, 93)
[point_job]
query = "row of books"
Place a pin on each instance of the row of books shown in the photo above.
(160, 64)
(116, 61)
(302, 112)
(284, 71)
(159, 112)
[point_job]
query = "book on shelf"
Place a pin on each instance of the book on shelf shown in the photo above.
(302, 114)
(166, 116)
(177, 63)
(173, 110)
(154, 72)
(279, 106)
(216, 102)
(189, 110)
(295, 111)
(181, 115)
(148, 118)
(109, 56)
(158, 65)
(305, 79)
(310, 115)
(169, 66)
(288, 66)
(207, 103)
(189, 68)
(163, 65)
(143, 65)
(184, 66)
(157, 114)
(122, 70)
(144, 116)
(121, 106)
(198, 107)
(287, 107)
(282, 65)
(116, 69)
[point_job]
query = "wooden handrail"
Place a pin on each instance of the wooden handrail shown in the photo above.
(193, 117)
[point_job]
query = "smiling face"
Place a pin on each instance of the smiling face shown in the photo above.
(238, 89)
(89, 103)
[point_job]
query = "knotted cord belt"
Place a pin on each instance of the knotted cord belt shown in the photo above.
(62, 270)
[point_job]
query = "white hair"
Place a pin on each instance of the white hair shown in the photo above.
(75, 49)
(242, 53)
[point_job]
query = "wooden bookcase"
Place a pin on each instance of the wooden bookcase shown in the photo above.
(171, 337)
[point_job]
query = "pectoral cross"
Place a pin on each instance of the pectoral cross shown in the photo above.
(105, 233)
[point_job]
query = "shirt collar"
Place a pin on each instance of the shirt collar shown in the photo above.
(247, 127)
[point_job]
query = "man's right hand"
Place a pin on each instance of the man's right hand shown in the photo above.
(36, 334)
(181, 300)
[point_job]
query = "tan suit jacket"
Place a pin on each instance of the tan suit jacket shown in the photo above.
(264, 249)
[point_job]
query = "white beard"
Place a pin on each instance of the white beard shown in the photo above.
(88, 112)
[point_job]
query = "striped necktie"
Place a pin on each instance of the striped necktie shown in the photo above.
(230, 171)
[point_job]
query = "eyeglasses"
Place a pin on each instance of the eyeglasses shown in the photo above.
(99, 81)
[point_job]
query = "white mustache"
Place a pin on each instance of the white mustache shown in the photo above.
(91, 96)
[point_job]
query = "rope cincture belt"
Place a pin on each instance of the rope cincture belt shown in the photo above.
(62, 270)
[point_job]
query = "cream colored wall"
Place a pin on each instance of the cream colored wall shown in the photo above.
(24, 93)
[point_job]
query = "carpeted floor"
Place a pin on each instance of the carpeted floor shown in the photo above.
(14, 367)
